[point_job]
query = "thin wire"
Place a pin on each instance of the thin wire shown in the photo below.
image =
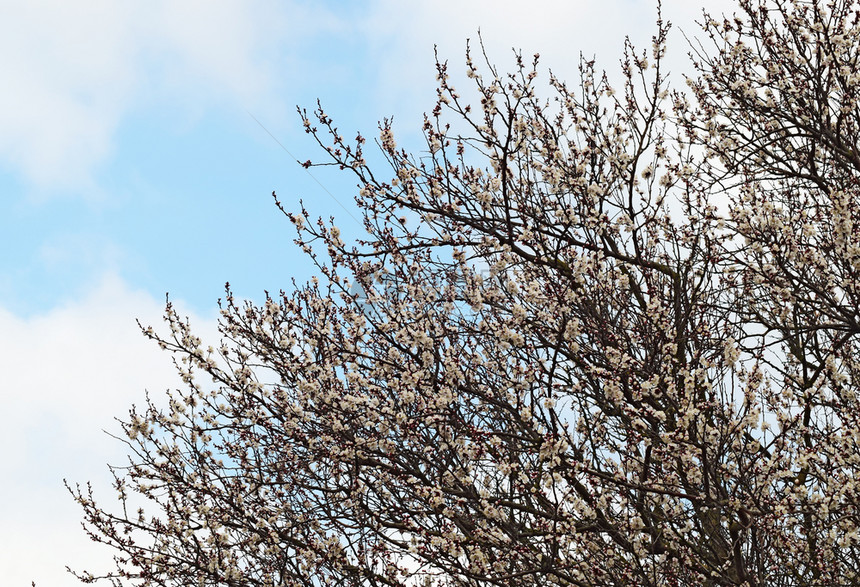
(305, 168)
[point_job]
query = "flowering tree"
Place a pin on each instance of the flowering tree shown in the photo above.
(603, 339)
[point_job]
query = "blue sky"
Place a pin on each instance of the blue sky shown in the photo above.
(130, 167)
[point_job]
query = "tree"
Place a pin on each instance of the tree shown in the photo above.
(606, 339)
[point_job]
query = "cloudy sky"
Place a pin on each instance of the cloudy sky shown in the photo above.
(131, 165)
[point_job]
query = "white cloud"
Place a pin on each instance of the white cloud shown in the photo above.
(404, 34)
(64, 376)
(72, 70)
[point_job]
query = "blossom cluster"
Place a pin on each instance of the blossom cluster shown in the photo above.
(609, 338)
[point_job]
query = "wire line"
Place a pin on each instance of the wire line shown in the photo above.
(274, 138)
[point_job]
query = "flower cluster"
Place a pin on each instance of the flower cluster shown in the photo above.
(619, 348)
